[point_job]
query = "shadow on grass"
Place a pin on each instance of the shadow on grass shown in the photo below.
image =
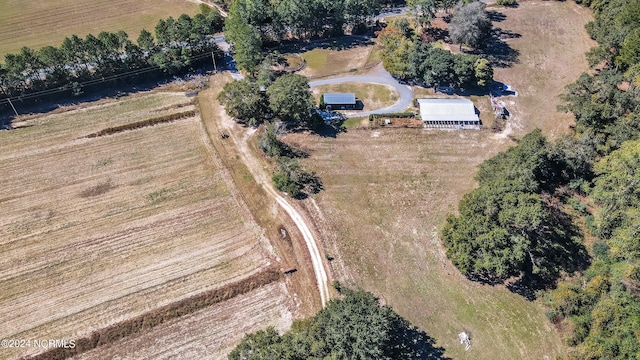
(332, 130)
(337, 43)
(413, 344)
(497, 51)
(496, 16)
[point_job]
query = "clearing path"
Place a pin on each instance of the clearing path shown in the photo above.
(262, 177)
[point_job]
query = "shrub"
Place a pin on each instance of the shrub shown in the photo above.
(506, 2)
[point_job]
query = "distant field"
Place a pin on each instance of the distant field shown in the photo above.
(96, 231)
(324, 62)
(39, 23)
(552, 41)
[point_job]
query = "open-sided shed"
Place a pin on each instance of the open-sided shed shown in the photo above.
(449, 113)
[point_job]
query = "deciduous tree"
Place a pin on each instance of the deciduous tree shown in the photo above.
(470, 25)
(290, 99)
(244, 101)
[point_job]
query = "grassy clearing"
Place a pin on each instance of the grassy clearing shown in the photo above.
(39, 23)
(325, 62)
(374, 96)
(552, 47)
(375, 56)
(97, 231)
(387, 193)
(356, 122)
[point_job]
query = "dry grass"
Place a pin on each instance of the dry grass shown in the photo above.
(552, 50)
(324, 62)
(374, 96)
(209, 333)
(39, 23)
(387, 193)
(97, 231)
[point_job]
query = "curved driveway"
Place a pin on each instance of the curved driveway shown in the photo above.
(377, 75)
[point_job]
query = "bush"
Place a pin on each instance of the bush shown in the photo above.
(393, 115)
(507, 2)
(577, 205)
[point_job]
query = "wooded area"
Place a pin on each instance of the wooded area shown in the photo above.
(526, 194)
(80, 64)
(355, 326)
(411, 53)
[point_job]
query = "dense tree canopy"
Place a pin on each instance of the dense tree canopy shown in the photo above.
(408, 57)
(244, 101)
(470, 25)
(506, 229)
(252, 23)
(617, 189)
(353, 327)
(290, 99)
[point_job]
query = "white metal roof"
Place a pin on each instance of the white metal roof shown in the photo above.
(340, 98)
(456, 109)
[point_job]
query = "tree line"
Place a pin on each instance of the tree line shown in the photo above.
(179, 44)
(409, 53)
(286, 101)
(354, 326)
(516, 229)
(255, 24)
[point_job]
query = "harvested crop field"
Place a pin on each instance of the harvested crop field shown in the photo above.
(207, 333)
(387, 193)
(38, 23)
(99, 230)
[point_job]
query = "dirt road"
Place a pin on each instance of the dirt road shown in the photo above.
(240, 138)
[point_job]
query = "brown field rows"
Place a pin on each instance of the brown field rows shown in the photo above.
(207, 333)
(38, 23)
(96, 231)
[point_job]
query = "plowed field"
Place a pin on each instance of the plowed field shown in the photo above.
(96, 231)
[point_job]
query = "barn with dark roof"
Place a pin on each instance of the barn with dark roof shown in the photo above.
(339, 101)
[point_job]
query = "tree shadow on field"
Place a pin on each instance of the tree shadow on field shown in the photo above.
(411, 343)
(497, 51)
(496, 16)
(337, 43)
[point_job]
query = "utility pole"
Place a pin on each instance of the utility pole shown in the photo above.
(13, 107)
(215, 68)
